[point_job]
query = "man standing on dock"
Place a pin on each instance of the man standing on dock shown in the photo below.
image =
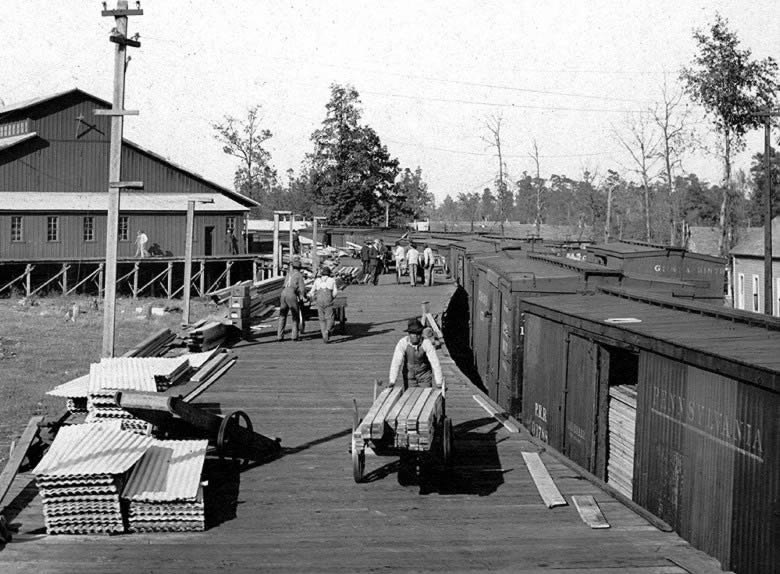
(428, 265)
(323, 292)
(413, 260)
(293, 293)
(416, 358)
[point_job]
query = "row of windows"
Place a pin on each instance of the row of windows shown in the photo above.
(755, 302)
(88, 229)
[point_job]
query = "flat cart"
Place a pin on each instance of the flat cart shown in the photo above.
(410, 423)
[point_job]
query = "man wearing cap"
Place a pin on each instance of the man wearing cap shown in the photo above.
(413, 260)
(416, 358)
(323, 291)
(293, 292)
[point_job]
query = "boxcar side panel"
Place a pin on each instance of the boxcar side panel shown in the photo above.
(581, 401)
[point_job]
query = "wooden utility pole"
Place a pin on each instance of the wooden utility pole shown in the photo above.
(117, 113)
(185, 320)
(767, 114)
(277, 253)
(315, 257)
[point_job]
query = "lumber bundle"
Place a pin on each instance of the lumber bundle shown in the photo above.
(163, 492)
(266, 291)
(621, 437)
(374, 423)
(152, 346)
(346, 275)
(206, 336)
(415, 420)
(81, 476)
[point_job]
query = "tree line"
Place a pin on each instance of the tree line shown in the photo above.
(350, 177)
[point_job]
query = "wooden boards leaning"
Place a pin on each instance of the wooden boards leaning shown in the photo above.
(544, 483)
(589, 511)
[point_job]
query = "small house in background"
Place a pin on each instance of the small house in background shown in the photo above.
(747, 265)
(54, 159)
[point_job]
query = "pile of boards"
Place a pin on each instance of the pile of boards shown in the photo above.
(410, 416)
(346, 275)
(621, 437)
(206, 335)
(265, 292)
(97, 478)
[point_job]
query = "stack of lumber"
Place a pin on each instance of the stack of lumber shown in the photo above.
(346, 275)
(374, 424)
(82, 474)
(206, 335)
(622, 432)
(145, 374)
(414, 417)
(164, 492)
(211, 366)
(262, 292)
(240, 307)
(152, 346)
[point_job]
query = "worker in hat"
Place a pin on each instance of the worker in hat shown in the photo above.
(415, 357)
(323, 292)
(293, 294)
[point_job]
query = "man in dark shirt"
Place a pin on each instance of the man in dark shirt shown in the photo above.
(293, 293)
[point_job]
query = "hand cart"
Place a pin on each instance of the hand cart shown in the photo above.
(384, 431)
(308, 311)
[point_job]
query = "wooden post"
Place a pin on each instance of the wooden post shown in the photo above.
(315, 257)
(768, 297)
(276, 245)
(188, 261)
(170, 279)
(136, 266)
(202, 277)
(28, 280)
(254, 269)
(119, 37)
(290, 236)
(228, 265)
(64, 278)
(100, 278)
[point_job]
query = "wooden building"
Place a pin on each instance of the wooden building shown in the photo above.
(54, 158)
(747, 261)
(674, 404)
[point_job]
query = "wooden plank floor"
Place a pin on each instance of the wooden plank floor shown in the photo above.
(303, 513)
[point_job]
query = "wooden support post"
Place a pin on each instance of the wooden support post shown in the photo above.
(115, 170)
(202, 277)
(101, 268)
(276, 244)
(188, 260)
(290, 236)
(136, 266)
(169, 289)
(228, 265)
(254, 269)
(28, 280)
(315, 257)
(64, 281)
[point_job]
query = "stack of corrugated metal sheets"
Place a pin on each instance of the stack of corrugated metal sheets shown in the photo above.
(82, 474)
(144, 374)
(163, 492)
(75, 391)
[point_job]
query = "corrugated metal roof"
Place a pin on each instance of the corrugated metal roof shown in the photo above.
(41, 99)
(98, 201)
(131, 373)
(92, 449)
(78, 387)
(169, 470)
(11, 141)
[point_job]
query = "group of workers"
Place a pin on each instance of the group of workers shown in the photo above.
(415, 262)
(322, 293)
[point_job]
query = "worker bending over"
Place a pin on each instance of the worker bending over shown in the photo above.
(322, 293)
(416, 358)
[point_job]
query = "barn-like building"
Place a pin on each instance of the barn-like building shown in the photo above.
(54, 160)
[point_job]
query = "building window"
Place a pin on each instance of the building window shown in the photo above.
(17, 228)
(89, 228)
(124, 228)
(756, 288)
(52, 228)
(741, 291)
(230, 224)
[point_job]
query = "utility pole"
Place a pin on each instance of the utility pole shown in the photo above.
(117, 113)
(190, 227)
(315, 257)
(767, 114)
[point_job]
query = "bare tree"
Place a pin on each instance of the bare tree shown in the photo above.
(672, 116)
(493, 124)
(534, 155)
(641, 141)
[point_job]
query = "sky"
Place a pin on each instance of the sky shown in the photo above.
(430, 75)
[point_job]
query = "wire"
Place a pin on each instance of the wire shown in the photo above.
(481, 154)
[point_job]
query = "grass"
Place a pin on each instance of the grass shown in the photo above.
(41, 348)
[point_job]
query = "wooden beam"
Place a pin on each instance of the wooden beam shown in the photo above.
(28, 279)
(116, 113)
(544, 483)
(122, 12)
(589, 511)
(188, 260)
(64, 282)
(136, 266)
(126, 184)
(169, 283)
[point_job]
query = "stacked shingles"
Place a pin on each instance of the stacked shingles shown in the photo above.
(150, 375)
(82, 474)
(164, 492)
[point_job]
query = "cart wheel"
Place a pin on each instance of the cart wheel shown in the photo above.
(301, 321)
(223, 437)
(358, 461)
(446, 446)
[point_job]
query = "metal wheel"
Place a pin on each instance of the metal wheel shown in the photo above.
(358, 461)
(446, 443)
(223, 437)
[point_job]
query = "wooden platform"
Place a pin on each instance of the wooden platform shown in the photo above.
(303, 512)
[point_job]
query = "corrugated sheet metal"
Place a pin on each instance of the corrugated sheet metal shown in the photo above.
(78, 387)
(131, 373)
(131, 201)
(87, 449)
(170, 470)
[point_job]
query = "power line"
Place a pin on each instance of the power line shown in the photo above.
(482, 154)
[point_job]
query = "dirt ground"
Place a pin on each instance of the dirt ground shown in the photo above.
(42, 347)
